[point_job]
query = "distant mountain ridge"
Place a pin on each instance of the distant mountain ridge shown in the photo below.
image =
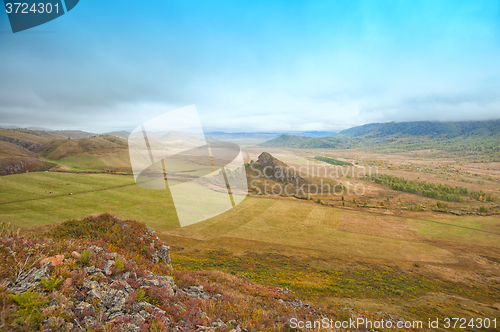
(285, 140)
(221, 136)
(390, 132)
(425, 128)
(302, 142)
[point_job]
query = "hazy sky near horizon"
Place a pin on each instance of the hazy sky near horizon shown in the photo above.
(253, 65)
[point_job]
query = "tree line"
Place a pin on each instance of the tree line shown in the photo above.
(443, 192)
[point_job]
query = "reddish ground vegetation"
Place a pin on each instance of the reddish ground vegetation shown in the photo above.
(113, 278)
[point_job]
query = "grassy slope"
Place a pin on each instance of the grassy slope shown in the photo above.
(37, 199)
(311, 226)
(25, 136)
(16, 158)
(9, 149)
(84, 154)
(326, 254)
(471, 230)
(58, 149)
(90, 154)
(82, 162)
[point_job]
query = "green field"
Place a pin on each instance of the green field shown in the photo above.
(473, 230)
(332, 161)
(36, 199)
(83, 162)
(311, 226)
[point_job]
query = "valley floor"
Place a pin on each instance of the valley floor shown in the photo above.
(398, 253)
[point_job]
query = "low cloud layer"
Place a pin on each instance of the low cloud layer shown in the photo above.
(254, 67)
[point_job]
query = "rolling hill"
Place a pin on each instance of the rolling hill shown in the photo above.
(18, 151)
(23, 150)
(478, 138)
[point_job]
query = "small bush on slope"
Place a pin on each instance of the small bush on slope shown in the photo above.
(128, 235)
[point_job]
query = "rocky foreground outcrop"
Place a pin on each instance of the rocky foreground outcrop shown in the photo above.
(104, 292)
(120, 282)
(102, 273)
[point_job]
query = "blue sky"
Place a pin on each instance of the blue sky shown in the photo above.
(254, 65)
